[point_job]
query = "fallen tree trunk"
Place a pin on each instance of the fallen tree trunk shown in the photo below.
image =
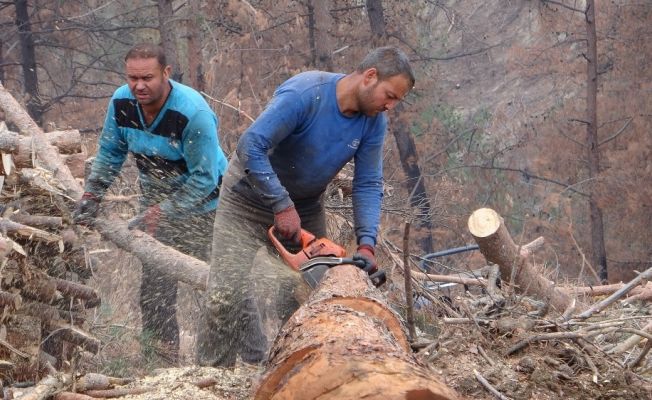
(345, 343)
(497, 246)
(168, 260)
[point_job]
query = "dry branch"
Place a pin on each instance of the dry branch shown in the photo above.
(73, 335)
(604, 290)
(78, 291)
(497, 246)
(111, 393)
(72, 396)
(26, 231)
(40, 221)
(597, 307)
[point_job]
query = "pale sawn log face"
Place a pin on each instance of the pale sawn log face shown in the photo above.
(484, 222)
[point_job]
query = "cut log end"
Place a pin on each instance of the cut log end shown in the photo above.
(484, 222)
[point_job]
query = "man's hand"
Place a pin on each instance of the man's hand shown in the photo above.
(147, 221)
(366, 252)
(86, 209)
(288, 224)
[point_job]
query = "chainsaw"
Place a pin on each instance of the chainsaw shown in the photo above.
(317, 255)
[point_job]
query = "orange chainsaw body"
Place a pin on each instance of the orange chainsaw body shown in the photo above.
(311, 247)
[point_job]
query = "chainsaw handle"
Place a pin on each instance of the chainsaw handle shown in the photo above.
(294, 260)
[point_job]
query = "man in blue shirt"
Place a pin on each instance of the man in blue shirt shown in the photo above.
(315, 123)
(172, 134)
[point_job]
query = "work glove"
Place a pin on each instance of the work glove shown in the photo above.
(288, 224)
(86, 209)
(365, 253)
(147, 221)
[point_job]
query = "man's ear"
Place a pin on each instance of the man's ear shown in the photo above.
(370, 76)
(167, 71)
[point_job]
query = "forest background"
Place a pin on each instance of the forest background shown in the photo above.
(518, 106)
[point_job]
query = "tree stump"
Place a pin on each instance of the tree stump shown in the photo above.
(497, 246)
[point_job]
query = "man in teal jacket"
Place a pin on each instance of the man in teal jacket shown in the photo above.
(172, 134)
(315, 123)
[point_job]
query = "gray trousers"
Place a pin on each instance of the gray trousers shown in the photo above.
(158, 292)
(231, 322)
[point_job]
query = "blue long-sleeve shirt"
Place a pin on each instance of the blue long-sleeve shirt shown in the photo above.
(178, 155)
(302, 140)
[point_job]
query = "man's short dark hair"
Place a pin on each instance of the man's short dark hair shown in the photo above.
(147, 50)
(389, 61)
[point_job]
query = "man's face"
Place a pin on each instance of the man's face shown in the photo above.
(376, 96)
(147, 80)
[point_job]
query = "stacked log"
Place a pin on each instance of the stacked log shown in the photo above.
(43, 294)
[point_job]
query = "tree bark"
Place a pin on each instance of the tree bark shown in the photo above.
(416, 188)
(346, 343)
(376, 20)
(597, 223)
(168, 37)
(323, 24)
(497, 246)
(28, 60)
(195, 64)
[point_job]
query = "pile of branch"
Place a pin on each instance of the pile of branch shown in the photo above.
(43, 269)
(512, 302)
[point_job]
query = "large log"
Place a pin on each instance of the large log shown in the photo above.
(21, 147)
(345, 343)
(168, 260)
(497, 246)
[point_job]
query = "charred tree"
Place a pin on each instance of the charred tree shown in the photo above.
(376, 20)
(320, 24)
(28, 60)
(168, 37)
(596, 220)
(418, 197)
(195, 64)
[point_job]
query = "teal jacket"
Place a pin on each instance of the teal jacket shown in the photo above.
(178, 155)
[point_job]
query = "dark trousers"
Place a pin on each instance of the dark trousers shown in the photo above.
(158, 292)
(231, 322)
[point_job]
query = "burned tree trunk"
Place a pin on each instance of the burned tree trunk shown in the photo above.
(168, 37)
(346, 343)
(28, 60)
(497, 246)
(418, 197)
(376, 21)
(597, 223)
